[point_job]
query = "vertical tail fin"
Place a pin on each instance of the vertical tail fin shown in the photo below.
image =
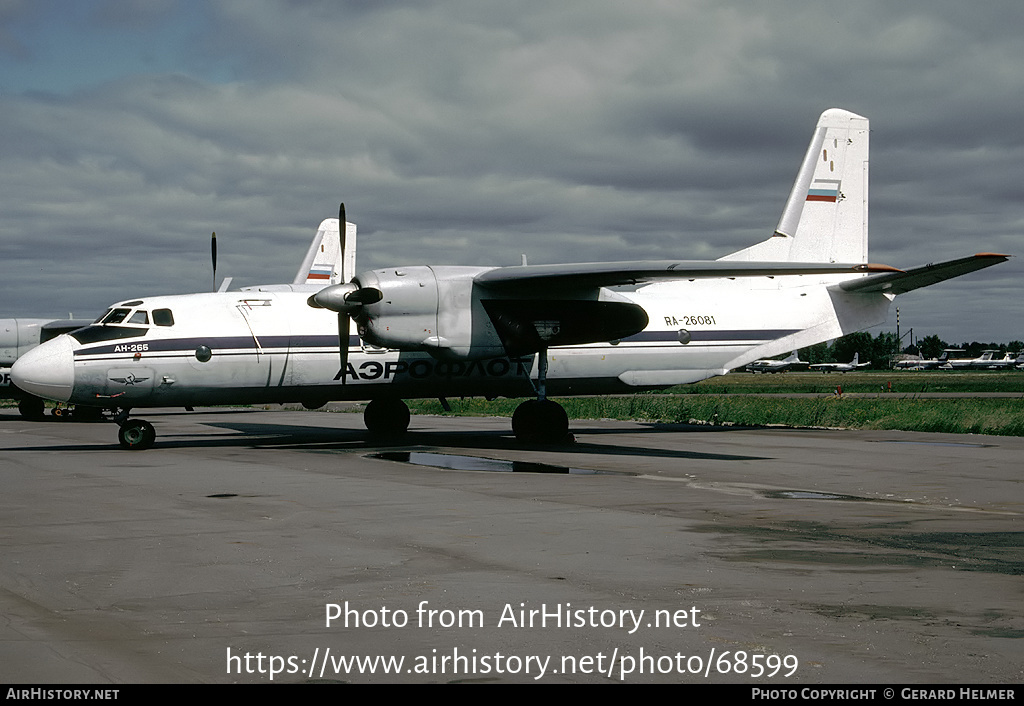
(325, 262)
(826, 215)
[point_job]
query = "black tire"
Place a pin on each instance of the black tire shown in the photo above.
(540, 421)
(386, 416)
(136, 435)
(31, 407)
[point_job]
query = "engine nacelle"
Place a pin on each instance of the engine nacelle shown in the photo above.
(428, 308)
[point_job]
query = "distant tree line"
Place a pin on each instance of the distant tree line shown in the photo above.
(882, 348)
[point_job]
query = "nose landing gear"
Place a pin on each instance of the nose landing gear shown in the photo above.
(134, 434)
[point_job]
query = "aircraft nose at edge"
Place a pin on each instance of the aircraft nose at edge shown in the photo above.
(47, 370)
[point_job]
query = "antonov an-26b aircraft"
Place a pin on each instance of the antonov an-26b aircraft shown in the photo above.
(520, 331)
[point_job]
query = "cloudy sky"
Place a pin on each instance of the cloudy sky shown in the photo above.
(467, 132)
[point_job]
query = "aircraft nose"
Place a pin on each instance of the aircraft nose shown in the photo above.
(48, 370)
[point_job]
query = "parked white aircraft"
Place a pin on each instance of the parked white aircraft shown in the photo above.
(430, 331)
(1011, 360)
(770, 365)
(986, 361)
(17, 337)
(927, 363)
(841, 367)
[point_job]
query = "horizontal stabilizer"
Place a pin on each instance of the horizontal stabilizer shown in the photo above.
(610, 274)
(902, 282)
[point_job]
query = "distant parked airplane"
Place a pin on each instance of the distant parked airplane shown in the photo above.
(840, 367)
(768, 365)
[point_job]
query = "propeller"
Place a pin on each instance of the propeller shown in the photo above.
(213, 256)
(346, 299)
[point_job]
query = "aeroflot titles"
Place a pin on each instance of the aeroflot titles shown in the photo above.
(423, 368)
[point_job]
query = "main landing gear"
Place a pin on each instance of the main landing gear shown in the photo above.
(386, 416)
(31, 407)
(534, 421)
(540, 420)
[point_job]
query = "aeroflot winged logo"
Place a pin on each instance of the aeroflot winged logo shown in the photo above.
(129, 379)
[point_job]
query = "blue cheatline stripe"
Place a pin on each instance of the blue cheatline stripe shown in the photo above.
(327, 341)
(713, 335)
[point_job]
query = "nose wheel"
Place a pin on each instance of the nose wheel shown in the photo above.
(136, 434)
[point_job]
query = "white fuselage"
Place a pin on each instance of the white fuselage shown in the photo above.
(257, 347)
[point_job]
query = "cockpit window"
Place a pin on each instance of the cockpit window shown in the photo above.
(163, 317)
(93, 334)
(140, 317)
(115, 316)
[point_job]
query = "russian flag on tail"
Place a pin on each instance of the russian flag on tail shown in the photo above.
(824, 190)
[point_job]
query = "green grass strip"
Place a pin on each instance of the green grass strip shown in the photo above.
(1000, 416)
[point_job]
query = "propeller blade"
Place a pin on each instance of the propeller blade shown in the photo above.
(342, 232)
(213, 256)
(343, 332)
(337, 298)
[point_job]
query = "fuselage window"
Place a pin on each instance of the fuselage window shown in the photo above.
(163, 317)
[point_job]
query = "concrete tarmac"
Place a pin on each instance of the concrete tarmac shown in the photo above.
(773, 557)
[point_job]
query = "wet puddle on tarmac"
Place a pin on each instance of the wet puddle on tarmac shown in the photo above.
(476, 463)
(811, 495)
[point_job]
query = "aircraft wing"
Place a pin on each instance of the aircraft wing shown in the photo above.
(609, 274)
(557, 318)
(903, 282)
